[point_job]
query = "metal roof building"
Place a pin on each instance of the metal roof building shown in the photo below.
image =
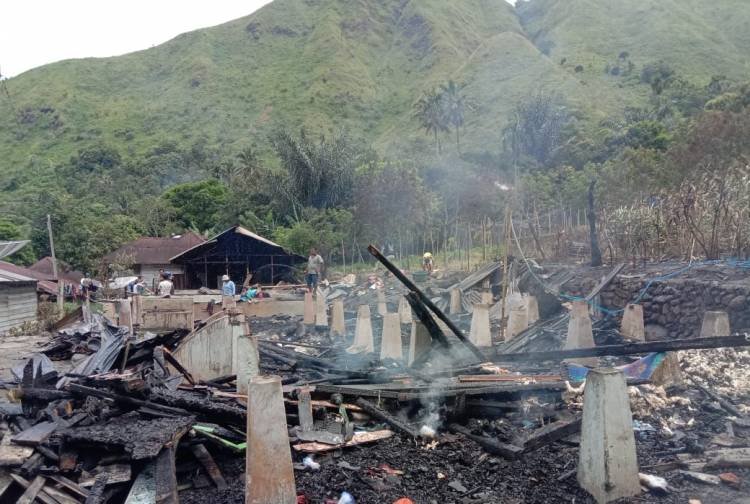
(18, 301)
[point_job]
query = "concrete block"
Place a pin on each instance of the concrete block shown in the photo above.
(309, 315)
(518, 321)
(532, 310)
(607, 464)
(455, 304)
(246, 360)
(321, 311)
(382, 306)
(632, 326)
(338, 326)
(479, 334)
(363, 341)
(391, 346)
(167, 313)
(668, 372)
(715, 323)
(404, 311)
(269, 475)
(137, 309)
(419, 342)
(580, 333)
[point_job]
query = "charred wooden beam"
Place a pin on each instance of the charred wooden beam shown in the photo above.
(130, 401)
(551, 433)
(493, 446)
(629, 349)
(427, 302)
(387, 417)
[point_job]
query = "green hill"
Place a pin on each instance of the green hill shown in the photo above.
(361, 64)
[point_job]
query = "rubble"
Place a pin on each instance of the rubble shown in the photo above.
(417, 414)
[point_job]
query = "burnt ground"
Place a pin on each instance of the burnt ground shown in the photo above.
(457, 471)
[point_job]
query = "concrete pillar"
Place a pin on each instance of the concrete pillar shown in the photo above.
(715, 323)
(486, 297)
(390, 341)
(632, 326)
(404, 311)
(309, 313)
(479, 334)
(382, 306)
(124, 314)
(419, 342)
(269, 475)
(455, 306)
(668, 372)
(518, 320)
(304, 410)
(580, 333)
(137, 309)
(532, 310)
(607, 464)
(247, 361)
(363, 332)
(338, 326)
(321, 310)
(228, 302)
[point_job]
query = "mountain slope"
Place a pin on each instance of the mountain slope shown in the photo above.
(360, 64)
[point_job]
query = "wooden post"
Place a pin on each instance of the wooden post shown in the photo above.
(60, 288)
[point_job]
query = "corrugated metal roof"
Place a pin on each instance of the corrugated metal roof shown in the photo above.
(44, 267)
(237, 230)
(10, 277)
(152, 250)
(11, 247)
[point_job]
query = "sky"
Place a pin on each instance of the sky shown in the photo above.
(36, 32)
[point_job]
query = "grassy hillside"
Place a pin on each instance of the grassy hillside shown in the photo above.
(360, 64)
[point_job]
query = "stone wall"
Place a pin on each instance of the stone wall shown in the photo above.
(674, 308)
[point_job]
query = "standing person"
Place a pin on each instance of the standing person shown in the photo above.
(165, 287)
(427, 262)
(227, 286)
(314, 267)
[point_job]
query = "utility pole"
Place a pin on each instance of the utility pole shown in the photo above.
(60, 288)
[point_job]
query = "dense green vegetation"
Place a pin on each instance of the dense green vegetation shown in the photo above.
(339, 123)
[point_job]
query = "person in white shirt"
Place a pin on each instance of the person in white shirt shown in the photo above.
(165, 287)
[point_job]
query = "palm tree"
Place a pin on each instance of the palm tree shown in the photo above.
(455, 107)
(430, 112)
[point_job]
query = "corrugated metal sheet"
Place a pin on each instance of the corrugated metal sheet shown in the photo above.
(8, 248)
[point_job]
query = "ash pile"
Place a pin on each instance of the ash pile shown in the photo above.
(377, 395)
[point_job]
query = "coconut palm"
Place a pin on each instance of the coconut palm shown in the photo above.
(430, 112)
(455, 106)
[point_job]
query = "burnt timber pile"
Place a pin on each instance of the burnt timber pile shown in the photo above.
(392, 391)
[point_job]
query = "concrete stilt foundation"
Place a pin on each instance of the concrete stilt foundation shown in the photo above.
(137, 305)
(124, 314)
(363, 341)
(532, 310)
(338, 327)
(715, 323)
(632, 326)
(607, 464)
(304, 410)
(321, 311)
(479, 334)
(580, 333)
(455, 305)
(419, 342)
(228, 302)
(309, 314)
(382, 306)
(404, 311)
(390, 342)
(269, 476)
(517, 321)
(668, 372)
(247, 361)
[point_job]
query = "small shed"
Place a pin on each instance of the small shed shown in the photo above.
(236, 252)
(147, 255)
(18, 301)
